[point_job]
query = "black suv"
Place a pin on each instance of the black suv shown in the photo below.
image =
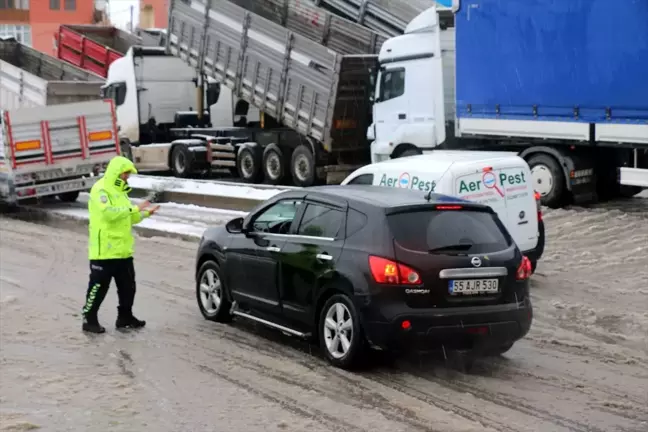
(359, 266)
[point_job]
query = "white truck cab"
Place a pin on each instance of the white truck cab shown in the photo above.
(501, 180)
(415, 90)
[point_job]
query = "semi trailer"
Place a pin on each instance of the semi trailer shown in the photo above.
(548, 82)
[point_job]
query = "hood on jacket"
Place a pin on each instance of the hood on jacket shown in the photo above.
(116, 167)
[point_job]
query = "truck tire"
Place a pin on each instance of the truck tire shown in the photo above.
(302, 166)
(181, 161)
(248, 164)
(549, 180)
(274, 165)
(409, 151)
(69, 197)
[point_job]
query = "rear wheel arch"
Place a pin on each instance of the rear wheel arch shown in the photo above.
(327, 287)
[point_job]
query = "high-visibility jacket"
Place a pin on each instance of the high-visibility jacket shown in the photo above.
(112, 214)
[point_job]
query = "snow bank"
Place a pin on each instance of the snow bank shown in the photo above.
(205, 187)
(185, 219)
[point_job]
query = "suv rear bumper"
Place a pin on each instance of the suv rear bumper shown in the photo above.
(460, 327)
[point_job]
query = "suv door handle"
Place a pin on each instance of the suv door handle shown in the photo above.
(324, 257)
(273, 249)
(402, 116)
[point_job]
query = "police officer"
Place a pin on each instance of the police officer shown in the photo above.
(112, 216)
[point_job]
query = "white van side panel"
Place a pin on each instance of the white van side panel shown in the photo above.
(508, 191)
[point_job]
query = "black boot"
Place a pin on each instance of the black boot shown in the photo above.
(128, 321)
(91, 325)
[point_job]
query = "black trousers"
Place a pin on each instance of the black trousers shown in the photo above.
(101, 274)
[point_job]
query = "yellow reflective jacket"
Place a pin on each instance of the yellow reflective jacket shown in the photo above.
(112, 215)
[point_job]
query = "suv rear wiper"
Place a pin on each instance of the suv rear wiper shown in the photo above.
(454, 247)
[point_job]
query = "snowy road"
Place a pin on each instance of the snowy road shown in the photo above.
(583, 366)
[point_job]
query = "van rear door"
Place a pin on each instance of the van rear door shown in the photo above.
(508, 191)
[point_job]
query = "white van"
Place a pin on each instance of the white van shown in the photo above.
(501, 180)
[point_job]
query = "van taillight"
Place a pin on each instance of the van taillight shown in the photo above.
(386, 271)
(538, 205)
(524, 271)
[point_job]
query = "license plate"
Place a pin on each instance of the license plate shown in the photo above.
(473, 286)
(72, 186)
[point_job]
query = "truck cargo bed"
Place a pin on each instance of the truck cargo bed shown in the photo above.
(305, 18)
(95, 47)
(304, 85)
(583, 61)
(388, 17)
(31, 78)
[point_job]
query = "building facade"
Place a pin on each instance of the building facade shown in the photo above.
(34, 22)
(153, 13)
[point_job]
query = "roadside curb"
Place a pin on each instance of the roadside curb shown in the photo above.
(209, 201)
(79, 224)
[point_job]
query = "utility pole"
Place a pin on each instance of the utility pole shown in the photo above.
(132, 9)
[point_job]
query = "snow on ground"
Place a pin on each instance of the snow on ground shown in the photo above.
(185, 219)
(205, 187)
(583, 366)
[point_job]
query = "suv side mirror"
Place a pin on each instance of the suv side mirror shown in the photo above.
(235, 226)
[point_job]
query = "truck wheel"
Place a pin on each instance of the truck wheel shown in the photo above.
(302, 166)
(411, 151)
(181, 161)
(274, 165)
(69, 197)
(548, 180)
(248, 163)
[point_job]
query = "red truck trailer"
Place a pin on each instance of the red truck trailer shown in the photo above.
(94, 47)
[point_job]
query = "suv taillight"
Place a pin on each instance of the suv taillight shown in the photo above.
(524, 271)
(386, 271)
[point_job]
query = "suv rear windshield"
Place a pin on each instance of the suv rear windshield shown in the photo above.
(430, 230)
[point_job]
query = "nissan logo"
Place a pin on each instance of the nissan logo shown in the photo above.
(522, 214)
(476, 261)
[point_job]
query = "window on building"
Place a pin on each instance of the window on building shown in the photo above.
(22, 33)
(55, 4)
(69, 5)
(14, 4)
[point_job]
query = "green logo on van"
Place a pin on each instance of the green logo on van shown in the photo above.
(405, 181)
(488, 182)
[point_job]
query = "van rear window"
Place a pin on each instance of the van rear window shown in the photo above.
(429, 230)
